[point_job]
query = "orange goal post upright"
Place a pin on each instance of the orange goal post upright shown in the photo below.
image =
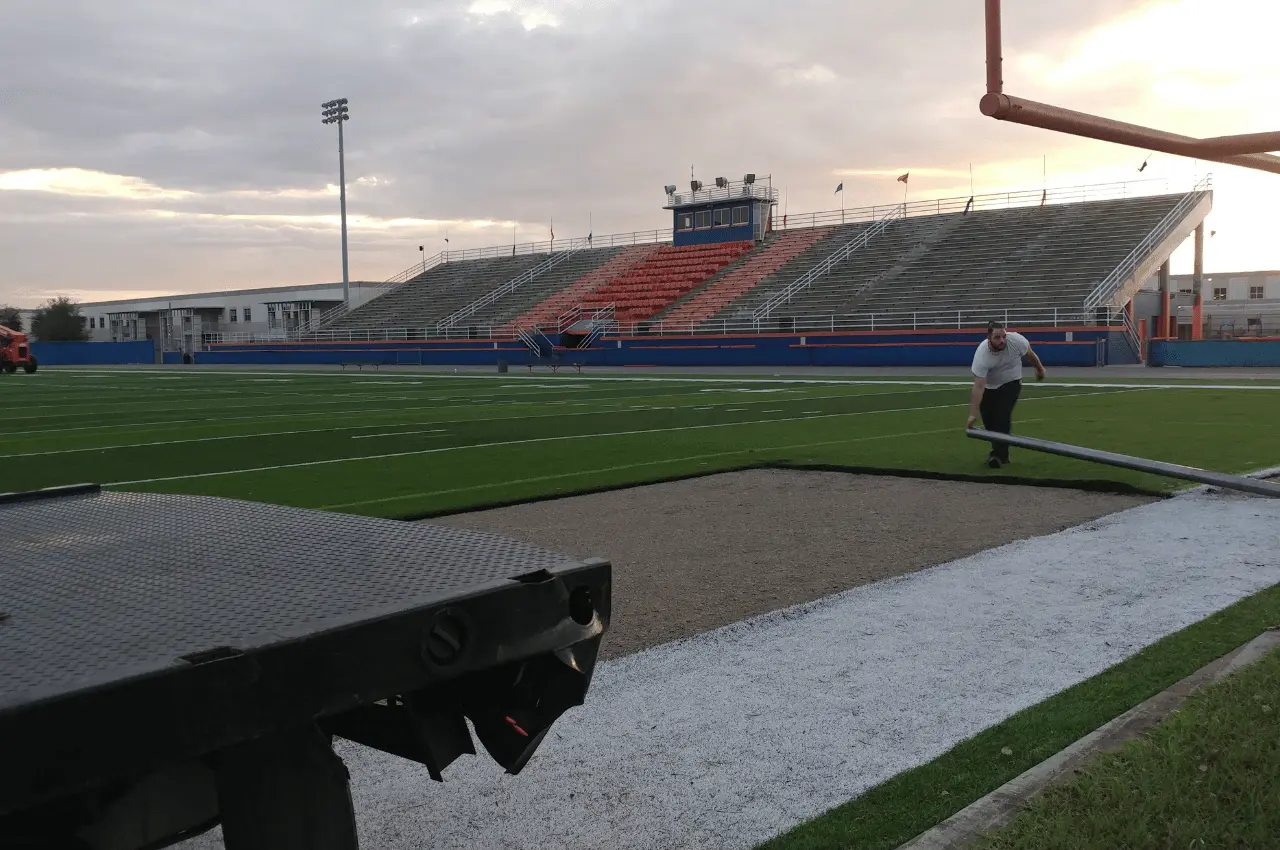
(1249, 150)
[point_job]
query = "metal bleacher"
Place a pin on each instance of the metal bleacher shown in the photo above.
(441, 291)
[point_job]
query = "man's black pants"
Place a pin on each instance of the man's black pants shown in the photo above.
(997, 413)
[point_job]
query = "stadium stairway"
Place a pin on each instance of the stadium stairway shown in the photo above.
(831, 240)
(740, 278)
(422, 301)
(667, 274)
(545, 312)
(576, 265)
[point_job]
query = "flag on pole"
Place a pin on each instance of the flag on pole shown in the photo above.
(968, 204)
(839, 189)
(903, 178)
(1044, 194)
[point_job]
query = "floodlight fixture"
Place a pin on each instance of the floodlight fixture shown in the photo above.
(670, 189)
(748, 179)
(335, 112)
(695, 185)
(722, 182)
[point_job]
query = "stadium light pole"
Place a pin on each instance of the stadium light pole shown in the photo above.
(335, 112)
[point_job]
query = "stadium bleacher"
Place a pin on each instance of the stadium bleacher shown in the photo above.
(1026, 257)
(658, 280)
(557, 302)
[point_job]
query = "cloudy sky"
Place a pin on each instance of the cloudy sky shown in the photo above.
(151, 146)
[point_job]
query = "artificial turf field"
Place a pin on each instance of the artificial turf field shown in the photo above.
(399, 444)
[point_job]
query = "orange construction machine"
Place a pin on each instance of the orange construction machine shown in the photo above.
(15, 352)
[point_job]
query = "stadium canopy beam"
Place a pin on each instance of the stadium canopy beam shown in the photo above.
(1141, 464)
(1248, 150)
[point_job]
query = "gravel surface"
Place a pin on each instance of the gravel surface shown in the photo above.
(693, 555)
(734, 735)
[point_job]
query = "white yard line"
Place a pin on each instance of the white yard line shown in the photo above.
(397, 433)
(641, 465)
(553, 439)
(733, 736)
(731, 380)
(215, 439)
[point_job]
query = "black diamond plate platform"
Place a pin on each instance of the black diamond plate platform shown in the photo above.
(143, 634)
(97, 587)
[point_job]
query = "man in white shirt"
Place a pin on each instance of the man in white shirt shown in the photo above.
(997, 383)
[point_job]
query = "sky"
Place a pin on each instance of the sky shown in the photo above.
(151, 147)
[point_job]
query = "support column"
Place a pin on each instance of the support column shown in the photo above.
(1197, 286)
(1168, 325)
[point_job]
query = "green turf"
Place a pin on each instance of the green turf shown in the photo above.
(417, 444)
(912, 802)
(1208, 776)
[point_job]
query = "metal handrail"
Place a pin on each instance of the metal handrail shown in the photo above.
(814, 323)
(1108, 285)
(835, 258)
(494, 252)
(505, 289)
(975, 203)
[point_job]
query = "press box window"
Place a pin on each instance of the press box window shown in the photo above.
(1255, 293)
(233, 315)
(247, 314)
(741, 215)
(1219, 293)
(721, 217)
(684, 221)
(702, 219)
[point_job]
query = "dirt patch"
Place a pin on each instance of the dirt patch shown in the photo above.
(694, 555)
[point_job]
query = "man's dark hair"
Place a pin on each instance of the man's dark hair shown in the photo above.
(993, 326)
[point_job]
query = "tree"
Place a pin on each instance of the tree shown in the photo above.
(59, 321)
(11, 318)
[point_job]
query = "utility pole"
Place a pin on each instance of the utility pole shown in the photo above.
(335, 112)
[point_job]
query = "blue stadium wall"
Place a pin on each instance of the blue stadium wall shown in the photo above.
(94, 353)
(1056, 347)
(1214, 352)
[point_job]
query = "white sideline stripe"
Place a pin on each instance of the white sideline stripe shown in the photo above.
(733, 736)
(598, 470)
(554, 439)
(674, 379)
(600, 408)
(211, 439)
(397, 434)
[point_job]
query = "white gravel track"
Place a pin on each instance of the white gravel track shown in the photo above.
(726, 739)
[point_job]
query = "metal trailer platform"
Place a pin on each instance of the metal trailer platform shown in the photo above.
(1155, 467)
(168, 663)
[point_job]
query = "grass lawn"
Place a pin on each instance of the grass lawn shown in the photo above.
(1208, 776)
(403, 445)
(912, 802)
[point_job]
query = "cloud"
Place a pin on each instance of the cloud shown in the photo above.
(179, 146)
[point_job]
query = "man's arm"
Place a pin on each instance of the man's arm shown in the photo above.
(1035, 363)
(975, 400)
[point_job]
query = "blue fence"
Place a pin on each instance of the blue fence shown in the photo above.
(887, 349)
(94, 353)
(1214, 352)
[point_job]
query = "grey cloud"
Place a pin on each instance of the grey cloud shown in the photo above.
(474, 119)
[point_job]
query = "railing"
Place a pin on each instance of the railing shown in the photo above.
(812, 323)
(1126, 268)
(505, 289)
(993, 201)
(1131, 335)
(530, 343)
(837, 257)
(736, 190)
(493, 252)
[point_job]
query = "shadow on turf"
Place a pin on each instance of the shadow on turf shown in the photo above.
(1085, 485)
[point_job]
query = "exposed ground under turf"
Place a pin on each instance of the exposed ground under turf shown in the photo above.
(693, 555)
